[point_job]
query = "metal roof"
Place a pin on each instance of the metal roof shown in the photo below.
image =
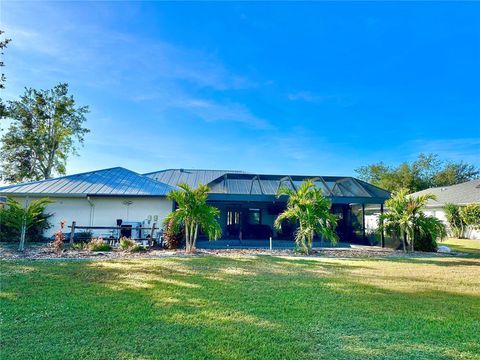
(192, 177)
(460, 194)
(332, 186)
(224, 185)
(116, 181)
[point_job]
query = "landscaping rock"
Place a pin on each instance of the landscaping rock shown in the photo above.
(444, 249)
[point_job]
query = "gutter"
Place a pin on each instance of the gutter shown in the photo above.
(92, 210)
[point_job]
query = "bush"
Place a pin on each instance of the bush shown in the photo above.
(99, 245)
(11, 233)
(425, 242)
(471, 215)
(80, 246)
(173, 238)
(455, 221)
(130, 245)
(429, 231)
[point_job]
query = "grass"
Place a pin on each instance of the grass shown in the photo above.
(471, 247)
(241, 308)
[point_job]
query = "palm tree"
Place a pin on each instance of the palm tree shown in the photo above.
(405, 218)
(311, 210)
(23, 218)
(194, 213)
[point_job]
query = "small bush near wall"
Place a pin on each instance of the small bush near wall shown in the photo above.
(130, 245)
(173, 239)
(99, 245)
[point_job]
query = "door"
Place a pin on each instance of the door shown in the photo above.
(234, 223)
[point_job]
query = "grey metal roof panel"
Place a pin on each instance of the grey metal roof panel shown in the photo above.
(108, 182)
(192, 177)
(460, 194)
(250, 184)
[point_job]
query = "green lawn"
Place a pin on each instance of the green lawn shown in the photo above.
(241, 308)
(463, 245)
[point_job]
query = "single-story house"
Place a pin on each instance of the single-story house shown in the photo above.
(247, 202)
(460, 194)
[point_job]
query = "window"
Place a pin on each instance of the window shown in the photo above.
(254, 216)
(233, 217)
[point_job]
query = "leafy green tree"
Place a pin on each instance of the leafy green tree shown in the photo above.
(22, 218)
(470, 214)
(455, 220)
(3, 45)
(194, 214)
(405, 218)
(46, 127)
(425, 172)
(311, 210)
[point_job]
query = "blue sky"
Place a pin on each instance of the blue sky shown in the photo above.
(301, 88)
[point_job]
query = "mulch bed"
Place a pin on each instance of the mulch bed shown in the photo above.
(39, 252)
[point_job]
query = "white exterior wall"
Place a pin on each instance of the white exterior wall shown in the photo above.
(104, 211)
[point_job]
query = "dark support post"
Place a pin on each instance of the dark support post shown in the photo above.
(72, 233)
(383, 233)
(150, 241)
(363, 222)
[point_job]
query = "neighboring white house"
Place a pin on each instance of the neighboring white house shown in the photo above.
(460, 194)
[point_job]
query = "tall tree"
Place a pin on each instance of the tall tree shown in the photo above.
(47, 126)
(3, 44)
(425, 172)
(311, 210)
(194, 214)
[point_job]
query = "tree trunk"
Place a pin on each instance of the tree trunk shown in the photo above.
(404, 242)
(195, 237)
(23, 231)
(187, 237)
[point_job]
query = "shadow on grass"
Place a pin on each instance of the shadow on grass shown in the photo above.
(213, 307)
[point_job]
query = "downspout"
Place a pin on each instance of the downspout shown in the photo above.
(92, 211)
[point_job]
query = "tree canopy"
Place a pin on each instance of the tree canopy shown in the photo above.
(194, 214)
(46, 127)
(311, 210)
(425, 172)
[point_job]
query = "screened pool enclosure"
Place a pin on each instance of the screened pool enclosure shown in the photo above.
(249, 206)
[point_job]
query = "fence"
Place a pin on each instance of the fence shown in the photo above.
(118, 231)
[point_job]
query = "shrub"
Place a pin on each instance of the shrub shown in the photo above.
(130, 245)
(429, 230)
(9, 220)
(455, 221)
(173, 238)
(471, 215)
(58, 238)
(99, 245)
(80, 246)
